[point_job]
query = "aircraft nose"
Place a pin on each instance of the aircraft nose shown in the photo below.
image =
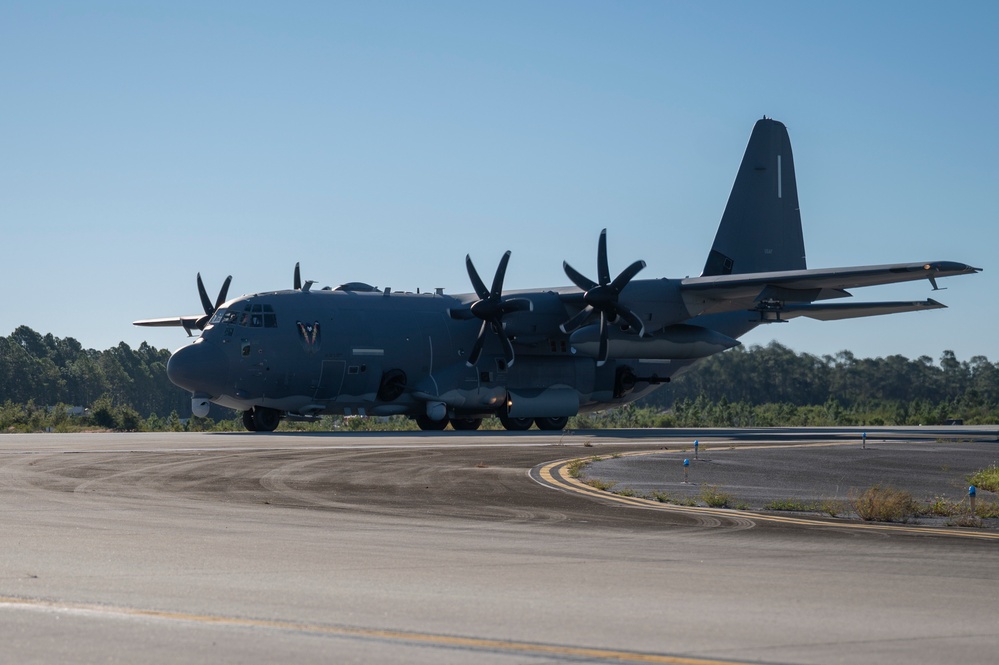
(200, 368)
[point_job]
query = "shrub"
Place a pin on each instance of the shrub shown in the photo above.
(885, 504)
(715, 498)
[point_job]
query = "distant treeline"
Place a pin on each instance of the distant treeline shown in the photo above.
(772, 385)
(44, 371)
(126, 388)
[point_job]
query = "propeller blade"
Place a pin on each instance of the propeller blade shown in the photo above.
(507, 345)
(206, 303)
(517, 305)
(602, 353)
(223, 292)
(634, 322)
(477, 283)
(603, 270)
(298, 277)
(461, 314)
(578, 278)
(473, 355)
(577, 320)
(627, 275)
(497, 290)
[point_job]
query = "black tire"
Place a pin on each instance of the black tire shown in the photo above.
(553, 424)
(466, 424)
(248, 421)
(428, 425)
(265, 419)
(516, 424)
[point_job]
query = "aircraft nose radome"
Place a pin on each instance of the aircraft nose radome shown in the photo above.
(200, 368)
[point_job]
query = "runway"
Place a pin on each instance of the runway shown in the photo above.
(442, 548)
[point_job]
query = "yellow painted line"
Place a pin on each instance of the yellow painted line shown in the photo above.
(449, 641)
(551, 473)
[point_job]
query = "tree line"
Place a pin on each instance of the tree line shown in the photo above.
(773, 385)
(125, 388)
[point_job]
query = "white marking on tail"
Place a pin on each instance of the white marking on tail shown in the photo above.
(779, 180)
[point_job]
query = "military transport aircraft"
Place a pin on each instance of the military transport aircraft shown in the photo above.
(528, 357)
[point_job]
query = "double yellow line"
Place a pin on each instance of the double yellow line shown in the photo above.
(554, 475)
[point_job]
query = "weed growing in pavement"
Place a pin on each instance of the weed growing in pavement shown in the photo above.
(885, 504)
(987, 478)
(792, 505)
(715, 498)
(627, 491)
(596, 483)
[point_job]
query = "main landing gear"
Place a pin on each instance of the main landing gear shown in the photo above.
(261, 419)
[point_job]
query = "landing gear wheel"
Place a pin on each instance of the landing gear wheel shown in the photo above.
(428, 425)
(552, 424)
(515, 424)
(265, 419)
(466, 424)
(248, 421)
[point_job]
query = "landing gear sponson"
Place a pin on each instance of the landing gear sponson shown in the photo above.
(512, 424)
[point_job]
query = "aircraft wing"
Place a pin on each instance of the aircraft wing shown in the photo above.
(188, 323)
(720, 293)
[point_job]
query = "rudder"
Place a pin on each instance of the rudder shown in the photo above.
(760, 230)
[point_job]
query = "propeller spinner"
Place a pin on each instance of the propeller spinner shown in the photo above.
(491, 307)
(602, 296)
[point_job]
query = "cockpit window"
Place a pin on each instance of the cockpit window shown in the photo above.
(252, 316)
(217, 317)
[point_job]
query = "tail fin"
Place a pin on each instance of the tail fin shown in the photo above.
(761, 228)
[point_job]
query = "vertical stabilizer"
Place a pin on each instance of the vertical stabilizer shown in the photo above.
(761, 228)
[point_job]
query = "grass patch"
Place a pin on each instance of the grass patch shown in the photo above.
(832, 508)
(986, 479)
(715, 498)
(596, 483)
(885, 504)
(941, 507)
(792, 505)
(575, 467)
(989, 509)
(626, 492)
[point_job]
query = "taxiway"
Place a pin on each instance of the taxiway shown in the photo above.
(442, 548)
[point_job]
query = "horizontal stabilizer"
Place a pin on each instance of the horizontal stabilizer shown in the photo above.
(837, 311)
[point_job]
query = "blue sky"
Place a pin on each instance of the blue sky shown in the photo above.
(143, 142)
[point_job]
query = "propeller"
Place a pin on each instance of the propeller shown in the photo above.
(207, 303)
(491, 308)
(603, 296)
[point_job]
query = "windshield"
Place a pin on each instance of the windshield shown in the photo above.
(249, 316)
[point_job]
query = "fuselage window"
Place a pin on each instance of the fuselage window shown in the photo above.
(270, 318)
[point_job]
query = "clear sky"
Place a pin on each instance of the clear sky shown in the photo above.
(142, 142)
